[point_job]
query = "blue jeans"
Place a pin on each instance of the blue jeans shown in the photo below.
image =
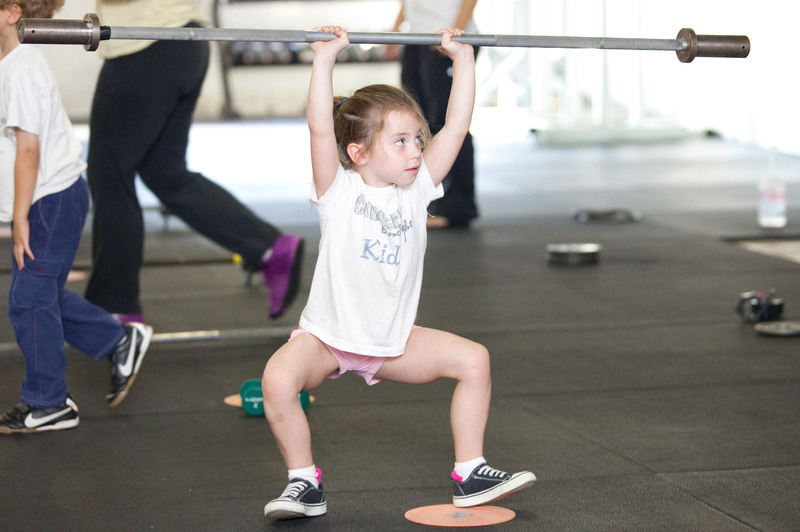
(43, 313)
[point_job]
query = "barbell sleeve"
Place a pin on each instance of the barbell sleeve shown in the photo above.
(89, 33)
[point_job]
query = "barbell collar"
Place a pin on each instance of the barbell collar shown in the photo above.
(89, 33)
(93, 21)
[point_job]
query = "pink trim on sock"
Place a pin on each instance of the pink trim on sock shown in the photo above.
(319, 476)
(456, 477)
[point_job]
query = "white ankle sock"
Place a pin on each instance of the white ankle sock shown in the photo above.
(311, 474)
(463, 469)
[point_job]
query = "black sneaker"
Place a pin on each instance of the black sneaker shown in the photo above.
(126, 359)
(485, 485)
(25, 419)
(299, 499)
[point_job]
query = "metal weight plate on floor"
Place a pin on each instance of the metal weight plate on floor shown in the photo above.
(573, 254)
(618, 216)
(778, 328)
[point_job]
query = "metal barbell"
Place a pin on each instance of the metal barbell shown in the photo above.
(88, 32)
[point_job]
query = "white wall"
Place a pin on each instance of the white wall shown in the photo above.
(750, 100)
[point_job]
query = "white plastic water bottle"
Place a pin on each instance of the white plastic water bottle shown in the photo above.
(771, 198)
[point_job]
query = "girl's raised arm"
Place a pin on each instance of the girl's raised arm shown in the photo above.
(324, 151)
(444, 147)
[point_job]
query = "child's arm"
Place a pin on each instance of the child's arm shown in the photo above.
(324, 151)
(26, 169)
(443, 149)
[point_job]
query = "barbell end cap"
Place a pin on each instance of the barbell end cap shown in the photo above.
(688, 54)
(745, 46)
(93, 22)
(711, 45)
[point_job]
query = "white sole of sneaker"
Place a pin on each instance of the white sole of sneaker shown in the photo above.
(518, 482)
(147, 334)
(278, 510)
(61, 425)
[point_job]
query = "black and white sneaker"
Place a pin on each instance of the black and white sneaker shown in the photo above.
(126, 359)
(25, 419)
(299, 499)
(485, 485)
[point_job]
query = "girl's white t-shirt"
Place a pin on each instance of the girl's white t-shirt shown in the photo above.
(368, 277)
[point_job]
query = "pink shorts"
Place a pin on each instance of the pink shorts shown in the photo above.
(364, 365)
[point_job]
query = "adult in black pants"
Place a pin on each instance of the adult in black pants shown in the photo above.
(141, 115)
(427, 74)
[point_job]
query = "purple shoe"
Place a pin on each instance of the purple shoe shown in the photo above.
(281, 273)
(129, 318)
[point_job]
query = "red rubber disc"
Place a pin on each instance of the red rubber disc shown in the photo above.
(449, 515)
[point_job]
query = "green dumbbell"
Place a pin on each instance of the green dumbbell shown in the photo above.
(253, 398)
(304, 399)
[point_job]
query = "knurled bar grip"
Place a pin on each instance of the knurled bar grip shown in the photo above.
(89, 33)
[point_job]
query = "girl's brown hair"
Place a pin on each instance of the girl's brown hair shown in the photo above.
(359, 118)
(35, 8)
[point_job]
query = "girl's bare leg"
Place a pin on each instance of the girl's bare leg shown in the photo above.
(430, 355)
(303, 363)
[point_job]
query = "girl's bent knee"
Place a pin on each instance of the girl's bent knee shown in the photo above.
(276, 385)
(478, 360)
